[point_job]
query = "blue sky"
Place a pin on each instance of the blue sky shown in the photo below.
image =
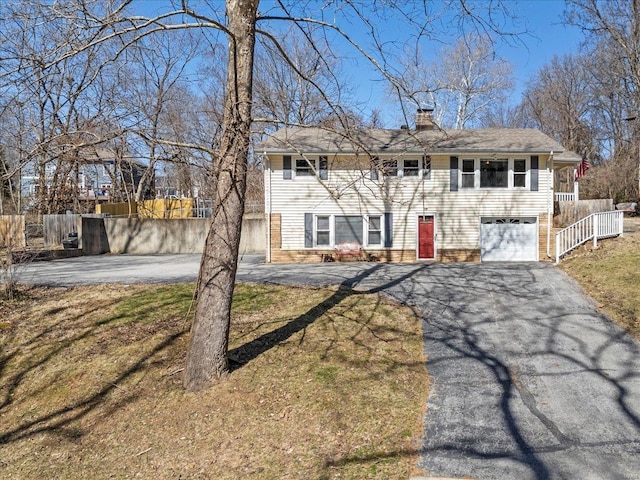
(548, 36)
(553, 38)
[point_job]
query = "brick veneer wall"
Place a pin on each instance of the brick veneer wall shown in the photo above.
(542, 239)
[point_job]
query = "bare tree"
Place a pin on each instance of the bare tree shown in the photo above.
(51, 100)
(207, 356)
(612, 40)
(559, 102)
(465, 81)
(293, 82)
(156, 70)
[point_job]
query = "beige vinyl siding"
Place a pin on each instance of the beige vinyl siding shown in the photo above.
(352, 192)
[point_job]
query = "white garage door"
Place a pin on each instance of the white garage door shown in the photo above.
(508, 239)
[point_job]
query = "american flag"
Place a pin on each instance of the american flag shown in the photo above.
(582, 168)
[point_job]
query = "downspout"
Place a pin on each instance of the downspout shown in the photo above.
(549, 203)
(267, 200)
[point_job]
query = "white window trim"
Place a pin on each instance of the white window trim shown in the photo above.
(398, 169)
(476, 173)
(365, 226)
(401, 168)
(400, 162)
(527, 173)
(510, 175)
(366, 230)
(294, 168)
(315, 231)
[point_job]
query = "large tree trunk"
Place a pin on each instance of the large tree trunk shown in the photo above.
(207, 356)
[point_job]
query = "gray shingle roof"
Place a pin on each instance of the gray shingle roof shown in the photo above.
(379, 141)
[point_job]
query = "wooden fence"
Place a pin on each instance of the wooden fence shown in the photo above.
(57, 227)
(568, 213)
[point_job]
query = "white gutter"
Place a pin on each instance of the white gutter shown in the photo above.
(549, 203)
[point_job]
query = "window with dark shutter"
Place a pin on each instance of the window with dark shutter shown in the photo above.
(426, 167)
(286, 167)
(304, 167)
(519, 173)
(323, 168)
(410, 168)
(534, 173)
(308, 230)
(388, 229)
(453, 174)
(323, 230)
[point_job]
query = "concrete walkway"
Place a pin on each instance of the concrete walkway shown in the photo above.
(529, 381)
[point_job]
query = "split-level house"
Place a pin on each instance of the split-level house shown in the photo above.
(411, 194)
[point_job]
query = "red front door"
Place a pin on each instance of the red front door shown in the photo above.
(426, 243)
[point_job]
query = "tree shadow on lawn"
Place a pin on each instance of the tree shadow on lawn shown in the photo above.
(253, 349)
(58, 420)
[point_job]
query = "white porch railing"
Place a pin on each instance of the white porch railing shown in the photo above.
(596, 226)
(565, 196)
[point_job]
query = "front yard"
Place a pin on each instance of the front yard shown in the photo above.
(326, 384)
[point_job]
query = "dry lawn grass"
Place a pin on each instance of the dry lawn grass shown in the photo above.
(611, 276)
(326, 384)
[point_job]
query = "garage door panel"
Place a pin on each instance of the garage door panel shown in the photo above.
(508, 239)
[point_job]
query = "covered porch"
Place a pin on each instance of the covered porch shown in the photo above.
(568, 168)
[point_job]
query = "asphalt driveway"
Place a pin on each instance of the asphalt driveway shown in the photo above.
(529, 380)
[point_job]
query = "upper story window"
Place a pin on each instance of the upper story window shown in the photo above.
(304, 167)
(494, 173)
(390, 168)
(468, 173)
(411, 168)
(519, 173)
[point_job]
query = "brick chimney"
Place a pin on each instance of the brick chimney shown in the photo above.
(424, 119)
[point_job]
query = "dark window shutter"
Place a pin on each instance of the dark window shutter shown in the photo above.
(388, 229)
(373, 173)
(453, 174)
(534, 173)
(323, 168)
(308, 230)
(286, 167)
(426, 167)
